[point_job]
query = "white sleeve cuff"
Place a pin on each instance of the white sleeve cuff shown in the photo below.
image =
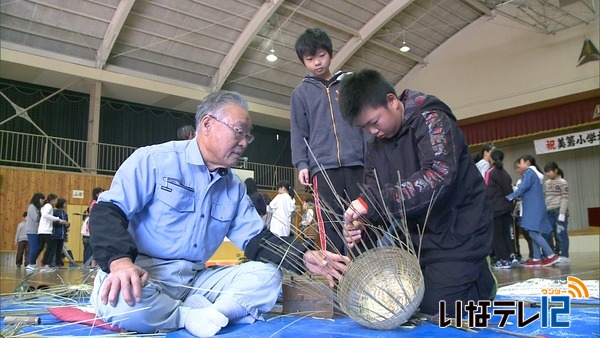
(561, 217)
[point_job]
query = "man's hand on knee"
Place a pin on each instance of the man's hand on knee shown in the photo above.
(125, 278)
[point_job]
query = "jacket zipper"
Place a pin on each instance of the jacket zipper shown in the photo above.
(337, 141)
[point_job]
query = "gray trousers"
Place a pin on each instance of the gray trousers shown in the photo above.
(253, 285)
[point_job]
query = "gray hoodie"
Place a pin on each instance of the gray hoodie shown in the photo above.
(32, 220)
(315, 116)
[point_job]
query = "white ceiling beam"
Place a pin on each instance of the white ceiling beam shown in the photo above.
(135, 81)
(479, 6)
(320, 18)
(112, 32)
(238, 48)
(381, 18)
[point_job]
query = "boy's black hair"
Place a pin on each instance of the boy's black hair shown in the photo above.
(311, 40)
(365, 89)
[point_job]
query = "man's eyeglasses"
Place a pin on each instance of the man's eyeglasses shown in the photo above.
(239, 134)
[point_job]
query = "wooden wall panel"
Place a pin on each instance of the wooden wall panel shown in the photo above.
(74, 242)
(17, 185)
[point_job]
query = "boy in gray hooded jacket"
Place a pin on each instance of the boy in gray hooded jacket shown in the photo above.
(337, 146)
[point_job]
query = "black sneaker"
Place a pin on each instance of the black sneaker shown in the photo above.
(501, 264)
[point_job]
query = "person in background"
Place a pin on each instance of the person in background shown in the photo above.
(259, 199)
(33, 223)
(88, 253)
(186, 132)
(517, 229)
(95, 194)
(47, 219)
(482, 160)
(59, 231)
(21, 242)
(420, 160)
(534, 217)
(337, 146)
(282, 207)
(168, 209)
(556, 192)
(499, 184)
(68, 254)
(308, 225)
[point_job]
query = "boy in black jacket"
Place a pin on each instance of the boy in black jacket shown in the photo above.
(417, 139)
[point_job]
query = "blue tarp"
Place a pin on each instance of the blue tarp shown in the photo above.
(584, 320)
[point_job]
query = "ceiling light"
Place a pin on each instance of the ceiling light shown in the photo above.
(272, 57)
(404, 47)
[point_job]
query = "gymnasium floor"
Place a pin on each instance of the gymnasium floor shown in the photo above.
(584, 318)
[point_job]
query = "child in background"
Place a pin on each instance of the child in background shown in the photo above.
(88, 259)
(282, 207)
(534, 217)
(499, 184)
(517, 229)
(556, 191)
(308, 226)
(259, 199)
(31, 228)
(21, 242)
(47, 220)
(483, 162)
(59, 231)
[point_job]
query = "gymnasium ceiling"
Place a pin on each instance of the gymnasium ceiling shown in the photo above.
(206, 45)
